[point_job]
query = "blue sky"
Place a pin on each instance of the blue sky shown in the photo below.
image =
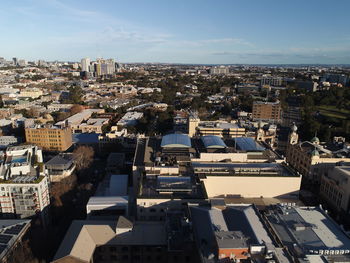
(178, 31)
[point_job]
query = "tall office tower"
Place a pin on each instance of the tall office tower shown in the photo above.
(105, 67)
(85, 64)
(15, 61)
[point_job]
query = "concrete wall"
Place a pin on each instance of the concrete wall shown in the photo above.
(251, 186)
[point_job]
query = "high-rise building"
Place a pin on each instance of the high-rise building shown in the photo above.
(105, 67)
(15, 61)
(85, 64)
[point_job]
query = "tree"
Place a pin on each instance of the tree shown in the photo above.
(83, 157)
(75, 94)
(76, 108)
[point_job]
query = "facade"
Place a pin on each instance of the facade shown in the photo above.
(313, 160)
(335, 188)
(50, 138)
(270, 111)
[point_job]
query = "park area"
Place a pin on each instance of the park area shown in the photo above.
(333, 112)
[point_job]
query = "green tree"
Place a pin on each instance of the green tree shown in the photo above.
(75, 95)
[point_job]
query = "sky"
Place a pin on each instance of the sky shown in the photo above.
(178, 31)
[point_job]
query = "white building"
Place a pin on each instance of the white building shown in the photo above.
(85, 64)
(31, 93)
(24, 189)
(130, 118)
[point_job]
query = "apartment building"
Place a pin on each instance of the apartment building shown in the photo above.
(49, 137)
(269, 111)
(24, 190)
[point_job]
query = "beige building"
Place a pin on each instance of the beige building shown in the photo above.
(31, 93)
(335, 188)
(122, 241)
(92, 125)
(248, 179)
(218, 128)
(49, 138)
(313, 160)
(267, 111)
(177, 170)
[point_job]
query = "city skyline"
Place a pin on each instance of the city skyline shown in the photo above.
(199, 32)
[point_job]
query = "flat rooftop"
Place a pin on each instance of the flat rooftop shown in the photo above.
(307, 229)
(181, 187)
(242, 169)
(219, 125)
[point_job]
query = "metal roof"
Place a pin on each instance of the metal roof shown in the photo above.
(308, 227)
(212, 141)
(174, 183)
(118, 185)
(248, 144)
(176, 141)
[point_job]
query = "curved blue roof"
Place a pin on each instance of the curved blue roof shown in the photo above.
(212, 141)
(248, 144)
(176, 141)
